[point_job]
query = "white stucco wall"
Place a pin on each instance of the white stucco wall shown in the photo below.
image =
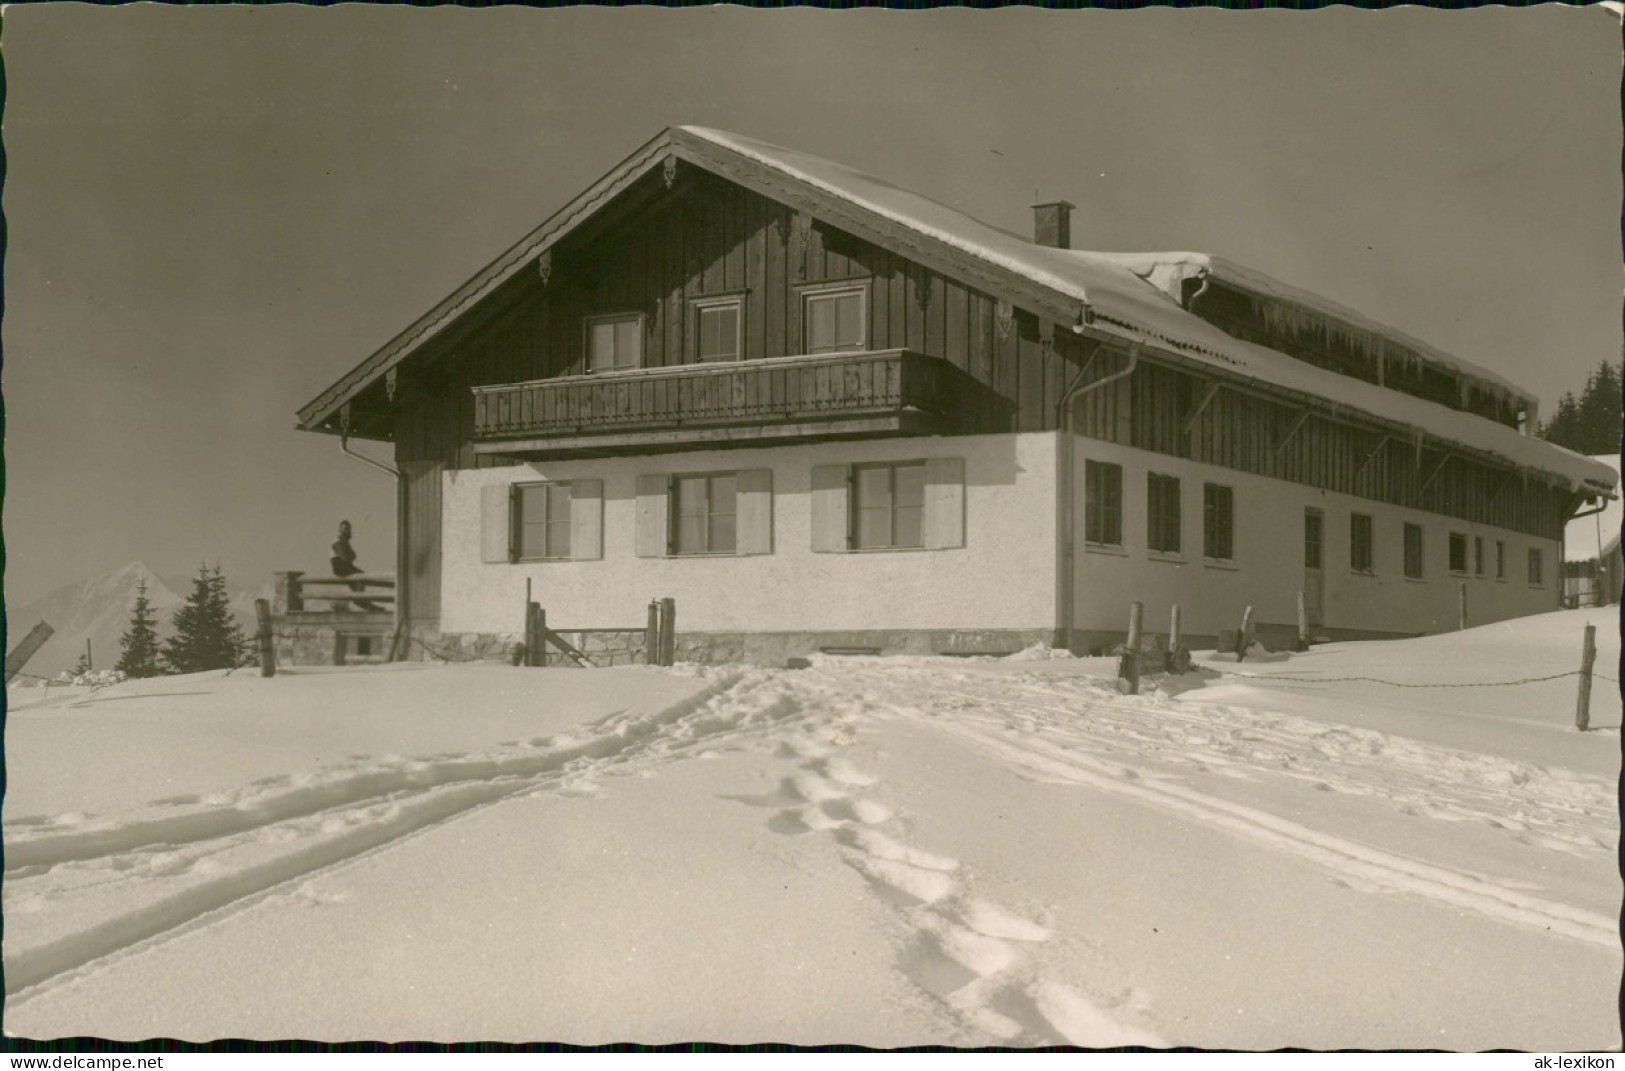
(1003, 578)
(1268, 564)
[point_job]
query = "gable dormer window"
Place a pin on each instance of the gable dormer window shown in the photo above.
(719, 324)
(835, 319)
(615, 343)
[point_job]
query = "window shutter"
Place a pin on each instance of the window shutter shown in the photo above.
(496, 523)
(944, 503)
(754, 506)
(586, 519)
(830, 491)
(653, 517)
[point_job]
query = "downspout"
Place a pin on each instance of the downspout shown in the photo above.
(1065, 410)
(399, 630)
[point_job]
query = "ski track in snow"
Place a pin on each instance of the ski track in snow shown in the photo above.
(98, 888)
(101, 888)
(1078, 730)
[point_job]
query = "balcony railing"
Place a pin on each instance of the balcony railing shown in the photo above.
(766, 392)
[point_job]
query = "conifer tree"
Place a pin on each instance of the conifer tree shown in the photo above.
(206, 636)
(1591, 423)
(140, 640)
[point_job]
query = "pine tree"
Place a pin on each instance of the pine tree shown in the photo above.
(140, 641)
(206, 636)
(1591, 424)
(81, 667)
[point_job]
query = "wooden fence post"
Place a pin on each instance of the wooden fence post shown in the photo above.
(1461, 605)
(651, 641)
(1128, 666)
(262, 614)
(1244, 638)
(1179, 659)
(1303, 623)
(538, 630)
(1588, 657)
(668, 631)
(19, 656)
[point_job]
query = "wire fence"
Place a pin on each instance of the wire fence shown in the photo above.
(1285, 679)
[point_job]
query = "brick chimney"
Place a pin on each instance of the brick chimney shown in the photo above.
(1052, 224)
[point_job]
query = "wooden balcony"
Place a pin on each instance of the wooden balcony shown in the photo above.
(896, 392)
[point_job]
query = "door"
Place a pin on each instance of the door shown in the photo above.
(1314, 527)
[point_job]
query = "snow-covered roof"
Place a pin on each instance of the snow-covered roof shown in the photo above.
(1136, 295)
(1584, 537)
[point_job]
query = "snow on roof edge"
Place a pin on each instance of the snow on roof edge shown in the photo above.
(1109, 285)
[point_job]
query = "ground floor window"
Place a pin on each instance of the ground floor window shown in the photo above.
(704, 514)
(1103, 503)
(689, 514)
(892, 505)
(556, 520)
(889, 503)
(1218, 522)
(1500, 559)
(542, 518)
(1162, 513)
(1362, 553)
(1458, 552)
(1413, 551)
(1535, 567)
(1478, 555)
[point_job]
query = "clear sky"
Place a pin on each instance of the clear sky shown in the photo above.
(213, 213)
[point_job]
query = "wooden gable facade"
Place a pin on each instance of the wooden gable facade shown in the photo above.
(662, 246)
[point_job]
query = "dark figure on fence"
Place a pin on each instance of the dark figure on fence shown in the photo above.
(344, 565)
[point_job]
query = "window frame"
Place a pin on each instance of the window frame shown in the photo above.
(1158, 517)
(1229, 518)
(1363, 537)
(517, 524)
(1097, 512)
(1500, 559)
(810, 294)
(1478, 555)
(1537, 568)
(855, 505)
(1421, 551)
(589, 322)
(1458, 541)
(674, 514)
(699, 306)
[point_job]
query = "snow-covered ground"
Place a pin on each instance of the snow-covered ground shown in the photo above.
(882, 852)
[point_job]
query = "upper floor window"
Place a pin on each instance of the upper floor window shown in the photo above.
(1413, 551)
(1218, 522)
(718, 329)
(1103, 503)
(615, 342)
(1162, 513)
(835, 319)
(1362, 553)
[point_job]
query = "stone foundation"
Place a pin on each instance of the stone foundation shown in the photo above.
(331, 638)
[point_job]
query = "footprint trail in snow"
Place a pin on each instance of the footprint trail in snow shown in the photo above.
(970, 954)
